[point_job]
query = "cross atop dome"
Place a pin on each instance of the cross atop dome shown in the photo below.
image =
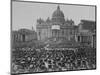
(58, 7)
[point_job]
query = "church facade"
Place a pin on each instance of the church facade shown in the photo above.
(56, 28)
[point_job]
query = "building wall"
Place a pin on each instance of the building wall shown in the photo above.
(88, 34)
(44, 33)
(18, 36)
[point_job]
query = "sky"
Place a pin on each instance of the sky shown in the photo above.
(25, 14)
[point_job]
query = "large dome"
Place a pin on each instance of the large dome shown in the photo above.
(58, 16)
(58, 13)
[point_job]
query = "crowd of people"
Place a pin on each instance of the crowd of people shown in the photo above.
(26, 60)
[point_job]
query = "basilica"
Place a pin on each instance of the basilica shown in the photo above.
(56, 28)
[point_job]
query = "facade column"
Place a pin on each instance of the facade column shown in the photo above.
(80, 38)
(92, 42)
(76, 39)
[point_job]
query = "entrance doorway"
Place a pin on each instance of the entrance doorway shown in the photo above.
(23, 37)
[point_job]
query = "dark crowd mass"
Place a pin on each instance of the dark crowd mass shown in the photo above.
(27, 60)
